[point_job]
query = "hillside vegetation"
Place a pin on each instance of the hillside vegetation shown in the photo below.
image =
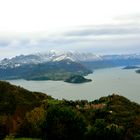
(77, 79)
(36, 115)
(44, 71)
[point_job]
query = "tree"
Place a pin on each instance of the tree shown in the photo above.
(63, 123)
(32, 124)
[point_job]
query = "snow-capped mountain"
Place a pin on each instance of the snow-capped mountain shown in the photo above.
(47, 57)
(53, 56)
(60, 65)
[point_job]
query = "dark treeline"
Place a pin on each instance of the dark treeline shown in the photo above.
(36, 115)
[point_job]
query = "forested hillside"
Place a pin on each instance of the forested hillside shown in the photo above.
(36, 115)
(43, 71)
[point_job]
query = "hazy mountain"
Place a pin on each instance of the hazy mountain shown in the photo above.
(51, 70)
(60, 65)
(83, 58)
(131, 67)
(46, 57)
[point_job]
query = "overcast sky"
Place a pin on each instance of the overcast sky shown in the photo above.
(100, 26)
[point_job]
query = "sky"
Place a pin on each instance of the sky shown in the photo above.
(98, 26)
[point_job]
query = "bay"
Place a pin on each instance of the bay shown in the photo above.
(104, 82)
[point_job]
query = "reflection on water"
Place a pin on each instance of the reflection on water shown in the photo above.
(105, 82)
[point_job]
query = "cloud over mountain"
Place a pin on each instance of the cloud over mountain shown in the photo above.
(122, 36)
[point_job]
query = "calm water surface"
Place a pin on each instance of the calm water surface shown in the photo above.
(105, 82)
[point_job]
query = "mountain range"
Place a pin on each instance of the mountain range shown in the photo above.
(54, 56)
(60, 65)
(51, 56)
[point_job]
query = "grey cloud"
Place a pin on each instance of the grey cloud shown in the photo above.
(25, 41)
(65, 40)
(105, 30)
(98, 39)
(4, 42)
(123, 25)
(60, 40)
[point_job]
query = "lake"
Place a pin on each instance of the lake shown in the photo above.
(104, 82)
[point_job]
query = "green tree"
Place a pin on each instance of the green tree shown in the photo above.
(63, 123)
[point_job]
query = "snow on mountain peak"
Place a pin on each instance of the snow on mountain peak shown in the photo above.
(62, 57)
(54, 55)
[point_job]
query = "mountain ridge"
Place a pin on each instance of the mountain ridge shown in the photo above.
(59, 56)
(52, 70)
(60, 65)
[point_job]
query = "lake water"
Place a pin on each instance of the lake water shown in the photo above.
(105, 82)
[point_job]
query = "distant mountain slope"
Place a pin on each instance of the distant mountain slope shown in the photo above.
(47, 57)
(60, 65)
(131, 67)
(52, 70)
(88, 59)
(110, 63)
